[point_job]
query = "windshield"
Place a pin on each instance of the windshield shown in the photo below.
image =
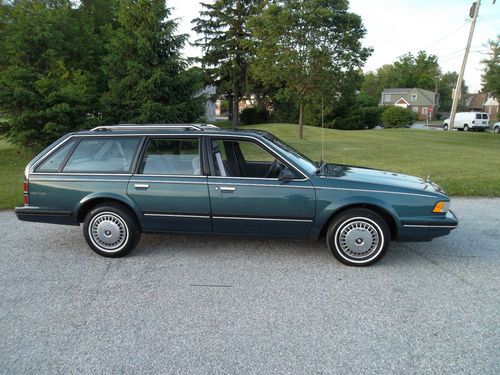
(303, 161)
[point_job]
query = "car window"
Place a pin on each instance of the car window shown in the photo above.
(254, 153)
(240, 158)
(54, 162)
(485, 116)
(478, 116)
(103, 155)
(172, 157)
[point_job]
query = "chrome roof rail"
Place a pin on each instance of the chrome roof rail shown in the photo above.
(198, 127)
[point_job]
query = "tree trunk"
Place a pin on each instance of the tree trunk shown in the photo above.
(230, 107)
(301, 118)
(236, 109)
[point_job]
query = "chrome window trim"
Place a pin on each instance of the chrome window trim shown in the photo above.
(79, 180)
(259, 178)
(169, 182)
(79, 174)
(376, 191)
(262, 219)
(170, 175)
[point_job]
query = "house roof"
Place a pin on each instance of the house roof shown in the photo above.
(476, 100)
(424, 97)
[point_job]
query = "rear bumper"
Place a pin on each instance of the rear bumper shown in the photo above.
(419, 231)
(35, 214)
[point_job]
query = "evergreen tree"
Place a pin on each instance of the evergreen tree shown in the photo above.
(147, 79)
(226, 51)
(47, 77)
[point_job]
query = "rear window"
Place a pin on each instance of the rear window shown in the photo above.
(55, 161)
(103, 155)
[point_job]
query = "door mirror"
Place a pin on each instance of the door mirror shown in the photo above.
(286, 174)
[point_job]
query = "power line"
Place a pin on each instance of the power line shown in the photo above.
(448, 35)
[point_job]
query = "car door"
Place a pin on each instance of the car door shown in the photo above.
(170, 187)
(245, 201)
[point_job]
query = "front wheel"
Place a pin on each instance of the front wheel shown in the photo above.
(358, 237)
(445, 127)
(496, 130)
(111, 230)
(466, 128)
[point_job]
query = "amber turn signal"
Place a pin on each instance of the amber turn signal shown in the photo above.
(441, 207)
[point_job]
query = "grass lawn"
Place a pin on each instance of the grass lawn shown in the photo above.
(463, 163)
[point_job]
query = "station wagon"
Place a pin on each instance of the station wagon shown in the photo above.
(119, 181)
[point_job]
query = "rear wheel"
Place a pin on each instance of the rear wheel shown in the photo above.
(466, 128)
(496, 130)
(445, 127)
(358, 237)
(111, 230)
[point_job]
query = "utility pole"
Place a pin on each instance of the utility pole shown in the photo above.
(458, 89)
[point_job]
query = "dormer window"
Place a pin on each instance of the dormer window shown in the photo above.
(413, 97)
(387, 98)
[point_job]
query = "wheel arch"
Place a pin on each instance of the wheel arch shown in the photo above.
(90, 201)
(385, 213)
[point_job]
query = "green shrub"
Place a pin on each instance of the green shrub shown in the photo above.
(439, 116)
(250, 116)
(397, 117)
(371, 116)
(352, 122)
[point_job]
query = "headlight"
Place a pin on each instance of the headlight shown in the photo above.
(441, 207)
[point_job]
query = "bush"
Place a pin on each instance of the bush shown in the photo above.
(439, 116)
(352, 122)
(250, 116)
(371, 116)
(397, 117)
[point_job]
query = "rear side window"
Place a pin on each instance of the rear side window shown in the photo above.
(172, 157)
(55, 161)
(103, 155)
(478, 116)
(485, 116)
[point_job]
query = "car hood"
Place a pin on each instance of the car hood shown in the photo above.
(378, 177)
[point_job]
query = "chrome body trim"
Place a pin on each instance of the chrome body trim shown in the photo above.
(262, 219)
(178, 215)
(429, 226)
(375, 191)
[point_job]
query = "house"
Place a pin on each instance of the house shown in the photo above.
(475, 102)
(491, 107)
(424, 103)
(209, 92)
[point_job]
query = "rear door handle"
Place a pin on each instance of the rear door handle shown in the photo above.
(141, 186)
(227, 189)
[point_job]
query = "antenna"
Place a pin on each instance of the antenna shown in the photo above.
(322, 127)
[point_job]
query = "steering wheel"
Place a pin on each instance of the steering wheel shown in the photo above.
(273, 169)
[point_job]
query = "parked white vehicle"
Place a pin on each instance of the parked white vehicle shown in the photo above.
(469, 121)
(496, 128)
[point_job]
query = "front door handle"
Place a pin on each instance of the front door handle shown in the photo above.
(141, 186)
(227, 189)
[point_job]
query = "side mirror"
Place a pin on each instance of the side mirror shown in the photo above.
(286, 174)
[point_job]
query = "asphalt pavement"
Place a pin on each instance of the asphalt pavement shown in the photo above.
(216, 305)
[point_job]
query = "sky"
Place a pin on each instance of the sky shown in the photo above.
(395, 27)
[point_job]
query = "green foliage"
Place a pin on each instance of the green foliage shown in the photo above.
(409, 71)
(250, 116)
(223, 25)
(397, 117)
(491, 76)
(147, 79)
(48, 71)
(447, 83)
(307, 47)
(371, 116)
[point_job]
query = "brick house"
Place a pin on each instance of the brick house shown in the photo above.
(415, 99)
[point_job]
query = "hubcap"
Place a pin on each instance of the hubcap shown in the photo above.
(108, 231)
(358, 239)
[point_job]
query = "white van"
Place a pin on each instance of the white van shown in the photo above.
(469, 121)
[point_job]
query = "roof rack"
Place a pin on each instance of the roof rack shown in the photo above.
(199, 127)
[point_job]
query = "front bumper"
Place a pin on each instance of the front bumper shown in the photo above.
(419, 231)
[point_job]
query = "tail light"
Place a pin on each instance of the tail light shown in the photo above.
(25, 190)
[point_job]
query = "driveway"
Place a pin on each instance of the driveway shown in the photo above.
(209, 305)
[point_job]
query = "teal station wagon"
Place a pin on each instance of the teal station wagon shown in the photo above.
(122, 180)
